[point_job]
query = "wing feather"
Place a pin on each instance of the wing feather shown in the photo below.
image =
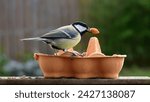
(66, 32)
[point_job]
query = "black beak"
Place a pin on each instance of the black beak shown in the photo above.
(89, 29)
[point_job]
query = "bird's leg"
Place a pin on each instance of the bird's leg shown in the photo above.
(74, 53)
(55, 51)
(65, 50)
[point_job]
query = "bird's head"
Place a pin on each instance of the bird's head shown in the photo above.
(83, 28)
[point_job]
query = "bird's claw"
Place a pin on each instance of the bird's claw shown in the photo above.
(55, 54)
(75, 53)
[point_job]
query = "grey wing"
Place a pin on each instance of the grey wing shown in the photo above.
(55, 34)
(66, 32)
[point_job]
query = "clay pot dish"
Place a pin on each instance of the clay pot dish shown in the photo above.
(93, 64)
(80, 67)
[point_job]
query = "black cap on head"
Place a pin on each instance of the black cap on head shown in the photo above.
(81, 27)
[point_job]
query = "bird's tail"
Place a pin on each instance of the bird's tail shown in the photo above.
(36, 38)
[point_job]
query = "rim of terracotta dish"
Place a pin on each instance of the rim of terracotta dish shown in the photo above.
(88, 57)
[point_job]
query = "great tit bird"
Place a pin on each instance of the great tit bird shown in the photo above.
(64, 37)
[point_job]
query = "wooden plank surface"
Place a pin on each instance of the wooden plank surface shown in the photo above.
(25, 80)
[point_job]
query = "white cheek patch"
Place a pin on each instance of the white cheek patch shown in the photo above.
(80, 28)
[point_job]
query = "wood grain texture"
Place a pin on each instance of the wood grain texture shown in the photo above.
(39, 80)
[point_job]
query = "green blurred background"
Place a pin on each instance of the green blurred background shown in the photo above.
(124, 27)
